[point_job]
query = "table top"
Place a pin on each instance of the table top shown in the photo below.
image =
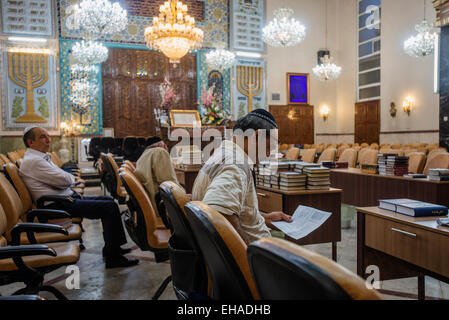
(302, 192)
(359, 172)
(428, 223)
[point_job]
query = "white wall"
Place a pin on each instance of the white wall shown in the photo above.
(401, 75)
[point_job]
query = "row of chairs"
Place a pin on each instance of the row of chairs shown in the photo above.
(131, 148)
(209, 260)
(33, 242)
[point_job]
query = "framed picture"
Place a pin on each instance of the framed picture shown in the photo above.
(185, 118)
(298, 88)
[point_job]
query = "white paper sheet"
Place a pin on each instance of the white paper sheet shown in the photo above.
(304, 221)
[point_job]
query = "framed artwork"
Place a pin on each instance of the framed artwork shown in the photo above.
(298, 88)
(185, 118)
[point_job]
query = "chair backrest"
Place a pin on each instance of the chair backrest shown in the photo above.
(114, 168)
(13, 156)
(224, 252)
(130, 145)
(12, 173)
(408, 152)
(10, 201)
(416, 162)
(55, 159)
(292, 154)
(3, 225)
(94, 147)
(191, 276)
(21, 152)
(341, 149)
(368, 156)
(283, 270)
(18, 163)
(364, 145)
(309, 155)
(349, 156)
(374, 146)
(440, 161)
(130, 165)
(107, 144)
(328, 155)
(143, 222)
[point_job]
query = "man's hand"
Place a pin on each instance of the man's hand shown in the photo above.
(275, 216)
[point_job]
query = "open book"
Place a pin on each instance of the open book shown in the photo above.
(304, 221)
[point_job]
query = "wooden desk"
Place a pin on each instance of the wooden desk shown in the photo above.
(287, 201)
(402, 246)
(186, 178)
(364, 190)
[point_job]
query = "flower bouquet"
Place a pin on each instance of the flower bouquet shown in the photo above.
(212, 108)
(169, 100)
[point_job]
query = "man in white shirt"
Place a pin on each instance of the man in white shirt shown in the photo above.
(42, 177)
(226, 181)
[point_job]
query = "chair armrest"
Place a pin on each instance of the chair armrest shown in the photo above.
(30, 228)
(25, 251)
(59, 199)
(43, 215)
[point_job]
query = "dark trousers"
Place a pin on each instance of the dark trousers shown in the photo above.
(103, 208)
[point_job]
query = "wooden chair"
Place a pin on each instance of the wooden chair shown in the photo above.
(416, 162)
(341, 149)
(283, 270)
(292, 154)
(440, 161)
(224, 252)
(309, 156)
(349, 156)
(328, 155)
(368, 157)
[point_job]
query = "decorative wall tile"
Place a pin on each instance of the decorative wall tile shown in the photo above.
(247, 21)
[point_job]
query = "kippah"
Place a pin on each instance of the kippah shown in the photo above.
(28, 129)
(153, 140)
(265, 115)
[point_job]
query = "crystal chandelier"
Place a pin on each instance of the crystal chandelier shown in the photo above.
(220, 58)
(327, 70)
(173, 32)
(283, 31)
(83, 88)
(89, 52)
(98, 18)
(423, 44)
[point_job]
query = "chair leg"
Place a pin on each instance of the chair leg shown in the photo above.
(55, 292)
(82, 247)
(161, 288)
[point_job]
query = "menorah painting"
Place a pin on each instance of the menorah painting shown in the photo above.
(29, 71)
(250, 83)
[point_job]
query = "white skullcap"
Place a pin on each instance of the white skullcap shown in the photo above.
(28, 129)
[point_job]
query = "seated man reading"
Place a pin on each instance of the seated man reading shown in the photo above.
(226, 183)
(42, 177)
(154, 167)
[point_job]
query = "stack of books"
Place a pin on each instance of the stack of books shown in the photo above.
(439, 174)
(341, 165)
(369, 168)
(413, 208)
(290, 181)
(318, 178)
(392, 165)
(329, 164)
(300, 166)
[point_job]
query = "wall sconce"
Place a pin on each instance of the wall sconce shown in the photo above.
(324, 112)
(393, 110)
(407, 105)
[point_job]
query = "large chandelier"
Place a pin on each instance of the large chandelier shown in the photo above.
(283, 31)
(220, 58)
(423, 44)
(173, 32)
(83, 88)
(327, 70)
(89, 52)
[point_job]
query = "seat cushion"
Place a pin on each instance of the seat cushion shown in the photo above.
(67, 253)
(74, 230)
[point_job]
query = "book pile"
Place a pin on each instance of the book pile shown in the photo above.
(268, 174)
(300, 166)
(318, 178)
(289, 181)
(369, 168)
(413, 208)
(341, 165)
(439, 174)
(329, 164)
(392, 165)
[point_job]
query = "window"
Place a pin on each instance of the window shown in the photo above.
(369, 22)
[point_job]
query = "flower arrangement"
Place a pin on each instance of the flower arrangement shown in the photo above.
(212, 108)
(169, 98)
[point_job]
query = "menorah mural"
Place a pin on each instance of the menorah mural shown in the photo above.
(250, 83)
(30, 71)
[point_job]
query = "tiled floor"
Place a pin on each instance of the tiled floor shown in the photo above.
(142, 281)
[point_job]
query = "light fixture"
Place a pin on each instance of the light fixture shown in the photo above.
(220, 58)
(26, 39)
(325, 69)
(407, 105)
(283, 31)
(173, 32)
(98, 18)
(89, 52)
(423, 44)
(246, 54)
(324, 112)
(83, 88)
